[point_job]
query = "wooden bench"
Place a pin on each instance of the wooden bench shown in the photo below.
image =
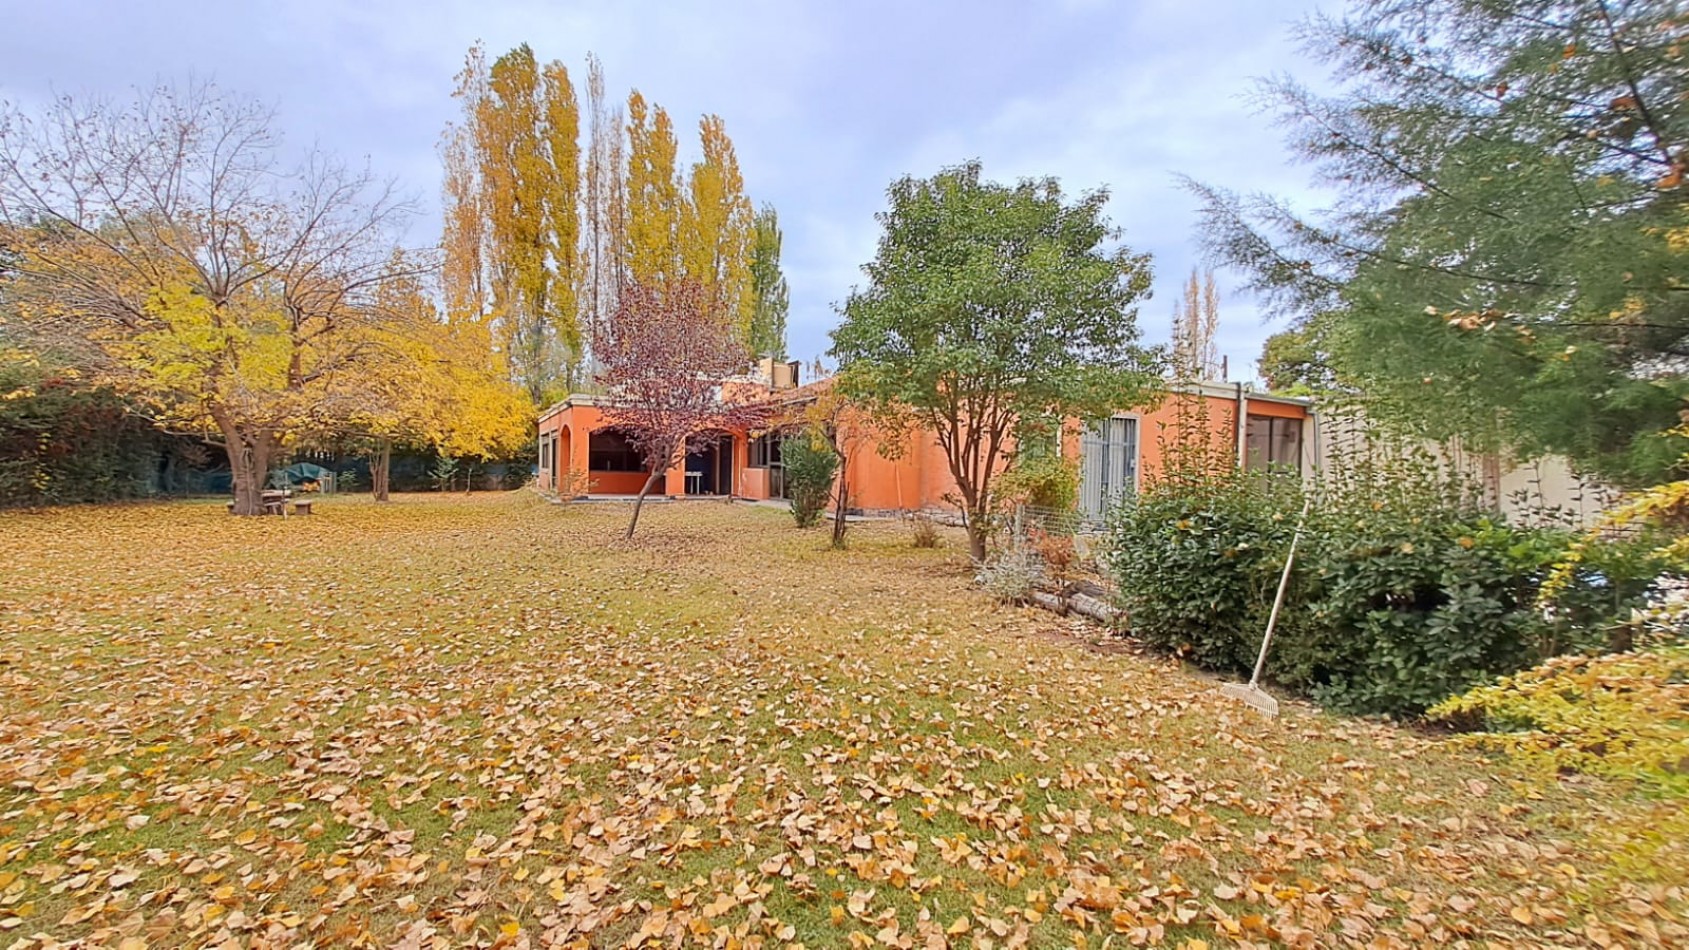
(275, 503)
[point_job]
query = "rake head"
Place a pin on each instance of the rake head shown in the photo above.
(1251, 695)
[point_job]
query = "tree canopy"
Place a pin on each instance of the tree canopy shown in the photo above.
(988, 304)
(541, 235)
(166, 244)
(1506, 258)
(770, 296)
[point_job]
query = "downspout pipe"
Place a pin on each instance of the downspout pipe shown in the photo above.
(1239, 431)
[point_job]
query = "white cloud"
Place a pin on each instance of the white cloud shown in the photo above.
(826, 103)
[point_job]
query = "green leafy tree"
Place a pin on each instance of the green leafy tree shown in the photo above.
(770, 298)
(1296, 360)
(988, 303)
(1508, 261)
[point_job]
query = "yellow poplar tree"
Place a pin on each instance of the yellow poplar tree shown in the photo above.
(517, 174)
(718, 228)
(563, 205)
(464, 232)
(653, 196)
(512, 214)
(1196, 320)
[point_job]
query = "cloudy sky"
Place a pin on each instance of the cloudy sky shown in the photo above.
(826, 103)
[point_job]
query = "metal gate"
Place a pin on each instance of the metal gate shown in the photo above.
(1108, 465)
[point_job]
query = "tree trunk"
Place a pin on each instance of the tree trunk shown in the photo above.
(839, 508)
(249, 464)
(976, 536)
(167, 474)
(380, 466)
(639, 502)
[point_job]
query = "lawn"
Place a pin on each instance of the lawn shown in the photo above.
(483, 720)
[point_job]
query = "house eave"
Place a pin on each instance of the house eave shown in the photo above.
(567, 402)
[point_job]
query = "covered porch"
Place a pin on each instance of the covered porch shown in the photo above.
(582, 454)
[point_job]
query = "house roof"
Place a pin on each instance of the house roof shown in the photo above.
(813, 389)
(1232, 390)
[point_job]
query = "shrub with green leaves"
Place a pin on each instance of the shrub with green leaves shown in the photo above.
(1406, 589)
(1012, 575)
(1196, 565)
(1403, 608)
(66, 441)
(810, 464)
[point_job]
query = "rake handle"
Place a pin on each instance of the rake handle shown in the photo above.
(1278, 599)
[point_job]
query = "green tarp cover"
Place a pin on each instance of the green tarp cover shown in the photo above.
(305, 472)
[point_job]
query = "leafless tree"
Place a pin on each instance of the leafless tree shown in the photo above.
(666, 364)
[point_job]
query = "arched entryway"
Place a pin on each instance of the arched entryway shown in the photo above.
(563, 465)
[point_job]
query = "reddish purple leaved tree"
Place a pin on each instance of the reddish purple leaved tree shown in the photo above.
(664, 359)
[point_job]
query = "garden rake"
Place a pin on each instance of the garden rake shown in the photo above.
(1251, 692)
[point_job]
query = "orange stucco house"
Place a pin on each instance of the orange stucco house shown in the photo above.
(582, 454)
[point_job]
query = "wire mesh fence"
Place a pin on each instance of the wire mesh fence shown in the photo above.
(1063, 521)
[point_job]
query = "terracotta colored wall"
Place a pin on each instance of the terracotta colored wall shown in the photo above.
(619, 483)
(1158, 425)
(877, 482)
(582, 421)
(753, 483)
(919, 477)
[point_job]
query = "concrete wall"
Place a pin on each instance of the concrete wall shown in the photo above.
(1544, 490)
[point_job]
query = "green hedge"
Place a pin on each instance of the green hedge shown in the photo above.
(1402, 594)
(63, 441)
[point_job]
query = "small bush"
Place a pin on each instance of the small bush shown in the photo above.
(1623, 715)
(1196, 565)
(1056, 550)
(445, 472)
(923, 530)
(1044, 481)
(811, 465)
(1012, 575)
(1403, 609)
